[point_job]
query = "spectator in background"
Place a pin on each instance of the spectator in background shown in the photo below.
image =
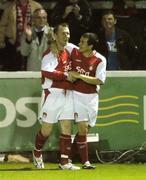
(3, 5)
(77, 13)
(36, 40)
(116, 44)
(16, 15)
(141, 65)
(124, 8)
(129, 18)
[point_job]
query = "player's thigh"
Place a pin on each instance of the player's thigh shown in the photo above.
(68, 108)
(46, 128)
(93, 109)
(86, 107)
(52, 107)
(80, 106)
(66, 126)
(82, 127)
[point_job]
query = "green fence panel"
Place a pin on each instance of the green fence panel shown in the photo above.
(121, 121)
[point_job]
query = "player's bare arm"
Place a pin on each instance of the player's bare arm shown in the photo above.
(85, 78)
(90, 80)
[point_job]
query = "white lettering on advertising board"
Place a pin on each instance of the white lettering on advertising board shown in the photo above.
(20, 107)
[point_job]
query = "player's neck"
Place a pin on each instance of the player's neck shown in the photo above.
(59, 47)
(88, 53)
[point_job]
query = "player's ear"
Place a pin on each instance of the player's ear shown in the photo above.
(91, 46)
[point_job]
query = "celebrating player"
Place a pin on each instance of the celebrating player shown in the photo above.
(89, 70)
(56, 94)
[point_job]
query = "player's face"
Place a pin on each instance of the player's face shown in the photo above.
(62, 36)
(108, 21)
(83, 45)
(40, 19)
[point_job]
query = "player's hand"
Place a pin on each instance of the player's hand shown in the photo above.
(74, 74)
(71, 78)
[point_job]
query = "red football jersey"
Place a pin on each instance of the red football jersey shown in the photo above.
(91, 66)
(53, 70)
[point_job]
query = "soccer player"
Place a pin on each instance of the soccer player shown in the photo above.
(89, 70)
(55, 87)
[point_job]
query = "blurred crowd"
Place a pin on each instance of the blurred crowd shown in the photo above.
(26, 30)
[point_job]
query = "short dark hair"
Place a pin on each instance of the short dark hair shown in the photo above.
(92, 39)
(108, 12)
(64, 24)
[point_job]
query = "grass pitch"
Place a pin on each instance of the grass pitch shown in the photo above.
(17, 171)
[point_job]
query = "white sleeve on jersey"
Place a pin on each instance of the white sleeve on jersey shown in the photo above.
(70, 47)
(101, 68)
(49, 62)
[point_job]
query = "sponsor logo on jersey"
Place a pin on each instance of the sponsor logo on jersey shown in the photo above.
(82, 71)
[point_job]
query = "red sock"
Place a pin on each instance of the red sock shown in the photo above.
(39, 143)
(65, 148)
(82, 147)
(74, 148)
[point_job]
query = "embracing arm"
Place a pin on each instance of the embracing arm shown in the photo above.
(55, 75)
(99, 77)
(88, 79)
